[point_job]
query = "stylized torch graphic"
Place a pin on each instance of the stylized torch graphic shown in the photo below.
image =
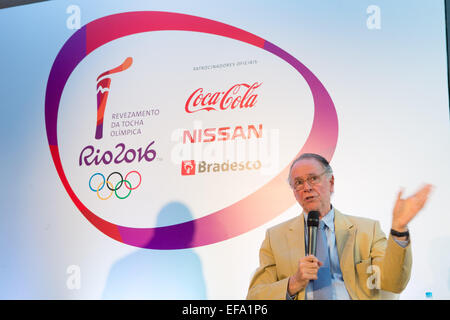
(103, 84)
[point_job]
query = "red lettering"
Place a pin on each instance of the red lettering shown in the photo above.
(214, 99)
(196, 101)
(230, 99)
(251, 128)
(238, 132)
(204, 99)
(187, 134)
(223, 132)
(210, 133)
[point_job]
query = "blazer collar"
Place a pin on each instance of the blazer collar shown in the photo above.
(345, 232)
(296, 238)
(296, 242)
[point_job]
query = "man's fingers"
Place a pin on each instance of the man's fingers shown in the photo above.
(400, 193)
(311, 258)
(426, 188)
(313, 276)
(310, 275)
(310, 262)
(421, 196)
(310, 265)
(425, 192)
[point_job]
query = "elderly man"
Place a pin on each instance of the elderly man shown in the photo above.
(354, 260)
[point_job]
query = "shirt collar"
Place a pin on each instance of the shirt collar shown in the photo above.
(328, 219)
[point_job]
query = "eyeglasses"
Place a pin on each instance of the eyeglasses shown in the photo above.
(313, 179)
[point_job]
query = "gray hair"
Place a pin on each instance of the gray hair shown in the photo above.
(325, 164)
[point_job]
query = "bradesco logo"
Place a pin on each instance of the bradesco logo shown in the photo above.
(241, 96)
(189, 168)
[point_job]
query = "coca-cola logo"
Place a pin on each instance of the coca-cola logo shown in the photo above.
(241, 95)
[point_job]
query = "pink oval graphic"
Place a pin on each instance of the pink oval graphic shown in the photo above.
(264, 204)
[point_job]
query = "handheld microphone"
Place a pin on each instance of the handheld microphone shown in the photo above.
(313, 224)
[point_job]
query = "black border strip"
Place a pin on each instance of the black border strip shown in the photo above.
(447, 31)
(15, 3)
(229, 310)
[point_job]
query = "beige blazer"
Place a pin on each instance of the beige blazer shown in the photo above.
(365, 255)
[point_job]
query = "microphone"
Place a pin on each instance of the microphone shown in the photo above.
(313, 224)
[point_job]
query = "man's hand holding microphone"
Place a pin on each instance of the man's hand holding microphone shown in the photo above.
(309, 265)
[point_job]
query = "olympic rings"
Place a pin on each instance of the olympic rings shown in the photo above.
(140, 180)
(120, 182)
(94, 176)
(125, 186)
(118, 185)
(98, 189)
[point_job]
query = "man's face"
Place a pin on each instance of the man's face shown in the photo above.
(313, 196)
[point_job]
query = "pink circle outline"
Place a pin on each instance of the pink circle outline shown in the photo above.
(246, 214)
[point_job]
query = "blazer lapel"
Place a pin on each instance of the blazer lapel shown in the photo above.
(345, 241)
(296, 241)
(296, 244)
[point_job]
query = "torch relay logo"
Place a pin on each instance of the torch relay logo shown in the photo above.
(103, 85)
(87, 153)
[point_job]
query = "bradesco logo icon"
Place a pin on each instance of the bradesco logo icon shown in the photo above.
(188, 167)
(114, 185)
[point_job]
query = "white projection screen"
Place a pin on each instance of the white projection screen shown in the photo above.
(146, 144)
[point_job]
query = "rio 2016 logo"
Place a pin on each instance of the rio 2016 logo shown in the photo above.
(87, 155)
(222, 224)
